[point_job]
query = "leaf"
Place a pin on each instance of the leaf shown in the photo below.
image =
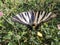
(12, 43)
(18, 37)
(46, 25)
(1, 25)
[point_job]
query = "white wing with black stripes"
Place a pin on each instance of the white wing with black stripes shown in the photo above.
(31, 17)
(42, 16)
(24, 17)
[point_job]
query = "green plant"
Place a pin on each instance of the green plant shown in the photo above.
(14, 33)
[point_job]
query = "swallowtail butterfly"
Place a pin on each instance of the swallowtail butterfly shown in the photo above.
(33, 18)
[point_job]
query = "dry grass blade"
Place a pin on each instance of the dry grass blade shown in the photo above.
(58, 26)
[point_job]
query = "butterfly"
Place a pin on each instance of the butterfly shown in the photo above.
(33, 18)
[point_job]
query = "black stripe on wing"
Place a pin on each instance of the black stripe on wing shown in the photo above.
(31, 16)
(16, 19)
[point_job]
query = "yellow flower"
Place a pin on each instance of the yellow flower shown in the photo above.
(39, 34)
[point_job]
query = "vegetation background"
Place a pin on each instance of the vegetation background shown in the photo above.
(12, 33)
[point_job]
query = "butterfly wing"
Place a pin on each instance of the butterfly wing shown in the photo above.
(41, 16)
(18, 18)
(47, 16)
(31, 16)
(24, 18)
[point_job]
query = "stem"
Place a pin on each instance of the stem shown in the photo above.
(34, 27)
(18, 42)
(14, 28)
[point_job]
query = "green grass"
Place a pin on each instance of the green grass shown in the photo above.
(12, 33)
